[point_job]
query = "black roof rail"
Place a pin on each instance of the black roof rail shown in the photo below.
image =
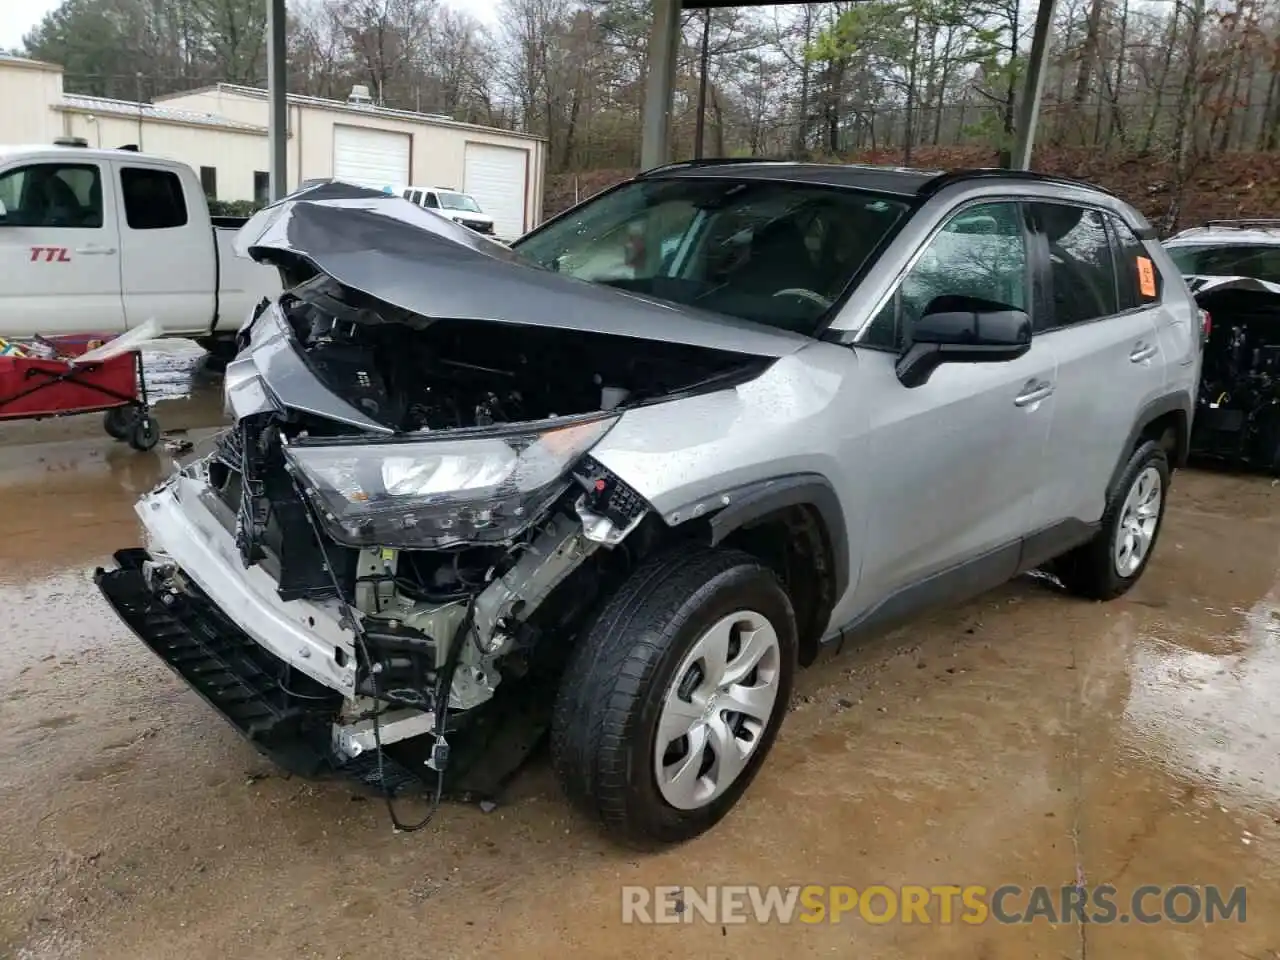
(1000, 173)
(706, 162)
(1244, 223)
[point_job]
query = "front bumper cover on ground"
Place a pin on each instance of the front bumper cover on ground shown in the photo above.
(238, 677)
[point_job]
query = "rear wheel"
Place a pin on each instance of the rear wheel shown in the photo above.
(118, 421)
(1109, 564)
(674, 696)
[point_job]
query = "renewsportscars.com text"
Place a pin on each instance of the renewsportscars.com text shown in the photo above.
(935, 904)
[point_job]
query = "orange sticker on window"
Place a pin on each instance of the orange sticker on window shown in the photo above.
(1146, 277)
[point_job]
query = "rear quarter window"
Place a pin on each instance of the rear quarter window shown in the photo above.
(1139, 281)
(153, 198)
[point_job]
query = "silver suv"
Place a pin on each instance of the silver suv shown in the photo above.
(470, 496)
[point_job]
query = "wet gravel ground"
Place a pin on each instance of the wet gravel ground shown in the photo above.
(1025, 738)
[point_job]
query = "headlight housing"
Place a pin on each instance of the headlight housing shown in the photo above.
(484, 485)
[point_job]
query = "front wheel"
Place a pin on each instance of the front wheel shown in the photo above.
(674, 696)
(1109, 564)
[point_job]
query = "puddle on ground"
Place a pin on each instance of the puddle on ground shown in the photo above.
(1208, 710)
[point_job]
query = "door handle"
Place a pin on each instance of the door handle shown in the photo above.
(1033, 391)
(94, 249)
(1142, 352)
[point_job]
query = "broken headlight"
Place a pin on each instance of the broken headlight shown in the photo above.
(425, 493)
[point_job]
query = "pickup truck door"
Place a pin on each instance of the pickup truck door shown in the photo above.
(168, 264)
(59, 249)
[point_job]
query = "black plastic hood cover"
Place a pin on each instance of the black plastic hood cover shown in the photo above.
(411, 258)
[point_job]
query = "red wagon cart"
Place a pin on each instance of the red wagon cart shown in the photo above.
(33, 387)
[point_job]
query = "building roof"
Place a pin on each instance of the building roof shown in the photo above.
(10, 60)
(78, 103)
(322, 103)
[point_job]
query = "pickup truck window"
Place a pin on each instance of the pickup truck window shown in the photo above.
(152, 198)
(52, 195)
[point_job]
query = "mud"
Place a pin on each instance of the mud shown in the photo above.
(1025, 738)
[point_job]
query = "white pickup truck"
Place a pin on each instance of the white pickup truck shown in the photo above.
(103, 240)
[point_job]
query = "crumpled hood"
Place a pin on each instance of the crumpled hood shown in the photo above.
(411, 258)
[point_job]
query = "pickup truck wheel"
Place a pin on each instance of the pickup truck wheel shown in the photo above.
(145, 433)
(1109, 564)
(674, 694)
(118, 421)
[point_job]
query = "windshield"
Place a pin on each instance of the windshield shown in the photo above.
(458, 201)
(774, 253)
(1258, 262)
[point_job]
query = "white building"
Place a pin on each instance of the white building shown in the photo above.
(221, 132)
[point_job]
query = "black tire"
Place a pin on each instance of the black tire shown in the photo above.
(145, 433)
(604, 726)
(118, 422)
(1090, 570)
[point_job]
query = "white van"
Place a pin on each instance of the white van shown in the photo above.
(457, 206)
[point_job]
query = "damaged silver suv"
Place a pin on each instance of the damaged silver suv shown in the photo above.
(618, 481)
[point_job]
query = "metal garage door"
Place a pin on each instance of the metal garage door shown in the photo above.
(496, 177)
(371, 158)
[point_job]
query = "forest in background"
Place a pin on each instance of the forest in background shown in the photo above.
(1177, 82)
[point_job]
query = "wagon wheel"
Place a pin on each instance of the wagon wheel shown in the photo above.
(118, 422)
(145, 433)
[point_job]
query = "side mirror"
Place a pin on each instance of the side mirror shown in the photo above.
(4, 212)
(963, 330)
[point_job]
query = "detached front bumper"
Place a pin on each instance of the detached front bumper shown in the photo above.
(276, 670)
(190, 527)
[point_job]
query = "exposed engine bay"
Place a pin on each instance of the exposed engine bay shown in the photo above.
(414, 373)
(1238, 415)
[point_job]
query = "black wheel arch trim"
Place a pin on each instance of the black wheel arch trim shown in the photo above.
(738, 507)
(1179, 402)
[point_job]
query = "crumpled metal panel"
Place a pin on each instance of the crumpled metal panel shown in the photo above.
(424, 263)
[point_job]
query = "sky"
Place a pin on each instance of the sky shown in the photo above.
(17, 17)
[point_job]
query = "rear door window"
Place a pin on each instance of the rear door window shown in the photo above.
(431, 201)
(1082, 270)
(153, 198)
(1140, 283)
